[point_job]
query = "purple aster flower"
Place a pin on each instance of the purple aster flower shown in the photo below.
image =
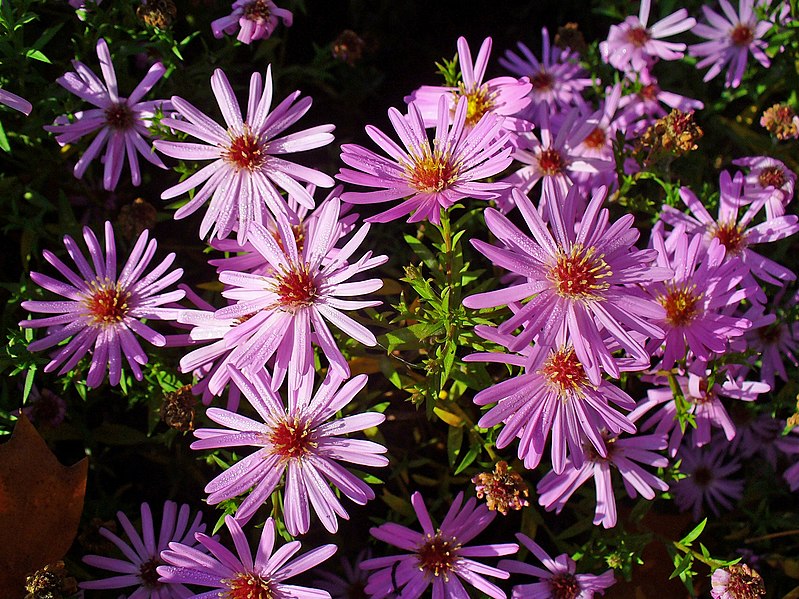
(774, 339)
(16, 102)
(143, 553)
(704, 404)
(240, 576)
(44, 408)
(758, 435)
(554, 490)
(708, 480)
(697, 298)
(102, 309)
(554, 395)
(559, 580)
(430, 176)
(634, 46)
(437, 555)
(731, 38)
(278, 311)
(598, 145)
(789, 444)
(734, 233)
(122, 123)
(577, 279)
(255, 20)
(504, 96)
(555, 158)
(557, 79)
(301, 441)
(768, 176)
(247, 164)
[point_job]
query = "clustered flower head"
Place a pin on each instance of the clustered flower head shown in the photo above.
(781, 121)
(254, 19)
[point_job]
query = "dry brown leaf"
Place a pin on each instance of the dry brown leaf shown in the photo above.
(40, 506)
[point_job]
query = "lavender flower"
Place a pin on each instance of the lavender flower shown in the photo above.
(768, 176)
(300, 441)
(122, 122)
(143, 553)
(557, 79)
(731, 38)
(278, 311)
(555, 489)
(576, 279)
(433, 176)
(734, 232)
(559, 580)
(239, 576)
(16, 102)
(255, 20)
(641, 109)
(437, 556)
(503, 96)
(102, 309)
(696, 299)
(708, 480)
(247, 164)
(634, 46)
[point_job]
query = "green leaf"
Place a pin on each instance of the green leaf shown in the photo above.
(681, 565)
(694, 534)
(470, 457)
(454, 442)
(37, 55)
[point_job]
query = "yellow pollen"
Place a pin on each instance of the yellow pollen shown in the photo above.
(681, 304)
(579, 274)
(731, 236)
(437, 555)
(246, 151)
(432, 172)
(247, 586)
(564, 373)
(478, 102)
(107, 303)
(292, 439)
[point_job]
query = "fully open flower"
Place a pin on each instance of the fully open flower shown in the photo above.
(247, 167)
(143, 553)
(103, 309)
(731, 38)
(300, 441)
(633, 45)
(578, 278)
(560, 579)
(240, 576)
(768, 176)
(430, 176)
(306, 287)
(122, 123)
(625, 455)
(437, 556)
(255, 20)
(708, 481)
(504, 96)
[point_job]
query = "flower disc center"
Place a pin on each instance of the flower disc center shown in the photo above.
(579, 274)
(246, 151)
(257, 11)
(248, 586)
(433, 173)
(297, 288)
(478, 102)
(551, 162)
(772, 176)
(681, 304)
(437, 555)
(742, 35)
(119, 116)
(564, 372)
(292, 439)
(107, 304)
(564, 586)
(638, 36)
(732, 237)
(596, 139)
(542, 81)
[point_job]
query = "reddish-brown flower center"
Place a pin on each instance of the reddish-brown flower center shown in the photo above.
(744, 583)
(478, 102)
(257, 11)
(649, 92)
(564, 586)
(772, 176)
(107, 304)
(292, 439)
(732, 237)
(770, 335)
(148, 574)
(297, 288)
(437, 555)
(564, 372)
(432, 173)
(542, 81)
(681, 304)
(579, 274)
(596, 139)
(551, 162)
(246, 151)
(638, 36)
(702, 476)
(247, 586)
(742, 35)
(705, 395)
(119, 116)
